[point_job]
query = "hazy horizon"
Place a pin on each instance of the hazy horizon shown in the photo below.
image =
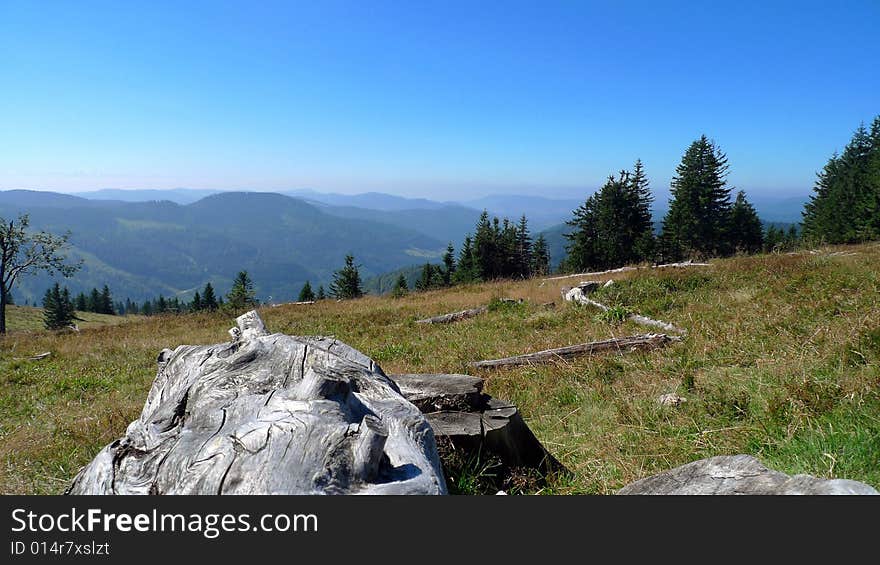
(450, 102)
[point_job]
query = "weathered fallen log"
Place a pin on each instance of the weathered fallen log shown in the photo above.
(302, 303)
(578, 295)
(627, 269)
(630, 343)
(454, 316)
(593, 274)
(680, 265)
(34, 357)
(269, 414)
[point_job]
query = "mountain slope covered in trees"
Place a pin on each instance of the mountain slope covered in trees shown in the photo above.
(150, 248)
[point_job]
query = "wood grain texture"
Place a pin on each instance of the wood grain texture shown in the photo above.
(269, 414)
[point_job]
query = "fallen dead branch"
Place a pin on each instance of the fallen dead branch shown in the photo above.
(594, 274)
(454, 316)
(627, 269)
(622, 344)
(578, 295)
(34, 357)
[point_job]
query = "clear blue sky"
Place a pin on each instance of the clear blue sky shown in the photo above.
(444, 100)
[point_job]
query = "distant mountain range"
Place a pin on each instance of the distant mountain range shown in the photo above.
(143, 243)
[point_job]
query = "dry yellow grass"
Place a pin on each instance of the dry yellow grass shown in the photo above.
(782, 361)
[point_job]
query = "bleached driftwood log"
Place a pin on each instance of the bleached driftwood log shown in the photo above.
(681, 265)
(630, 343)
(578, 295)
(454, 316)
(627, 269)
(269, 414)
(34, 357)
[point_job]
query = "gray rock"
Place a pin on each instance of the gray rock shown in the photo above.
(739, 474)
(269, 414)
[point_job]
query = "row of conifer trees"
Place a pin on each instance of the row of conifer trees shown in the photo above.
(614, 226)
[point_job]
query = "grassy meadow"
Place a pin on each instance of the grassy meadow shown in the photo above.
(782, 361)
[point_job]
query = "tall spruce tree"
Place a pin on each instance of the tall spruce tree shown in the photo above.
(58, 310)
(641, 221)
(196, 304)
(242, 294)
(346, 283)
(209, 301)
(540, 257)
(466, 269)
(523, 248)
(584, 249)
(448, 265)
(612, 227)
(321, 294)
(746, 232)
(431, 277)
(400, 287)
(306, 294)
(106, 301)
(845, 205)
(94, 302)
(698, 219)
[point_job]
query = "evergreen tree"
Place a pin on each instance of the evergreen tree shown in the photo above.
(347, 281)
(306, 294)
(81, 302)
(523, 248)
(466, 269)
(58, 310)
(400, 287)
(242, 294)
(613, 227)
(585, 247)
(94, 302)
(641, 221)
(509, 264)
(321, 294)
(209, 301)
(698, 219)
(106, 302)
(485, 248)
(147, 308)
(448, 265)
(540, 257)
(196, 304)
(746, 233)
(432, 277)
(161, 306)
(792, 237)
(845, 205)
